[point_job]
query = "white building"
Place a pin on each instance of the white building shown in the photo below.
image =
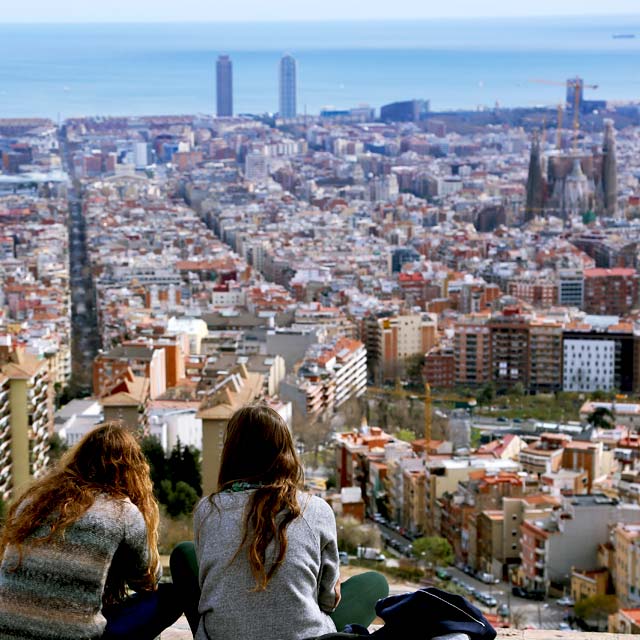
(588, 365)
(256, 168)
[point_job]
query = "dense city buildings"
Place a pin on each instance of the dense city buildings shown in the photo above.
(173, 268)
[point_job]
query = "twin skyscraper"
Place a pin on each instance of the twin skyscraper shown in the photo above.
(287, 92)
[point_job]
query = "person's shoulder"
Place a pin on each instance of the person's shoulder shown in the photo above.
(314, 505)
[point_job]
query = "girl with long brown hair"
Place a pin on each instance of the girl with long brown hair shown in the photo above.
(76, 539)
(267, 554)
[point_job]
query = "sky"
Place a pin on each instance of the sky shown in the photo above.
(279, 10)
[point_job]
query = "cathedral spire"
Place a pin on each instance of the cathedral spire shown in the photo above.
(535, 183)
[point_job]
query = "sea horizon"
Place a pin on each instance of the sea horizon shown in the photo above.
(139, 68)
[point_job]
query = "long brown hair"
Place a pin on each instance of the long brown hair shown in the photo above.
(259, 450)
(108, 460)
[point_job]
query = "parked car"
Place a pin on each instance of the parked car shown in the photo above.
(487, 578)
(566, 601)
(343, 556)
(486, 599)
(521, 592)
(443, 574)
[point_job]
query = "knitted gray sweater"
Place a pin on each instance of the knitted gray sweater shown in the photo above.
(56, 591)
(294, 604)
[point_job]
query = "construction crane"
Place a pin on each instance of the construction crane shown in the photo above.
(576, 85)
(428, 400)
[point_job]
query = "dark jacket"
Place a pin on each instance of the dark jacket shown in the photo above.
(421, 615)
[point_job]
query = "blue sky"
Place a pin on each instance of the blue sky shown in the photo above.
(271, 10)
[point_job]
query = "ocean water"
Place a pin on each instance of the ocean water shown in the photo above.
(117, 69)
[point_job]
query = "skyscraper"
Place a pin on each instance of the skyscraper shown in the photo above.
(609, 171)
(224, 86)
(287, 87)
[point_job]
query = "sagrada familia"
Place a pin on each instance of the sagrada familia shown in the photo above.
(575, 184)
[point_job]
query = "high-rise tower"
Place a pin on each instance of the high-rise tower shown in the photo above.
(224, 86)
(609, 171)
(287, 87)
(535, 183)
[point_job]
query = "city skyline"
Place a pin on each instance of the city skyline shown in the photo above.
(75, 11)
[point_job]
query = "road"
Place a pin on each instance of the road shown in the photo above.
(85, 338)
(540, 615)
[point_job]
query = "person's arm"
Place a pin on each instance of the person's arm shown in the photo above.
(134, 550)
(329, 582)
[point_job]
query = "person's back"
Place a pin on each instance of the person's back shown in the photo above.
(292, 605)
(55, 590)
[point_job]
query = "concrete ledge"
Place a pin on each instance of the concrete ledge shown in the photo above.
(180, 631)
(544, 634)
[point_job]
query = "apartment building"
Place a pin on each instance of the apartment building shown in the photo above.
(545, 356)
(602, 356)
(570, 537)
(127, 401)
(612, 292)
(239, 388)
(472, 351)
(510, 348)
(30, 416)
(395, 338)
(142, 358)
(626, 541)
(330, 375)
(6, 457)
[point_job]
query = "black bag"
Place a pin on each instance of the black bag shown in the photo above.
(428, 613)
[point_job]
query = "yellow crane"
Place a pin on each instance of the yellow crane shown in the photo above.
(576, 85)
(428, 400)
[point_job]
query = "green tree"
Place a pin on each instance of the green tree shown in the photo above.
(596, 608)
(181, 500)
(405, 434)
(154, 453)
(487, 394)
(433, 549)
(601, 418)
(353, 534)
(414, 368)
(517, 391)
(184, 466)
(57, 448)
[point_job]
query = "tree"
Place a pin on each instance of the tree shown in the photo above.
(596, 608)
(487, 394)
(601, 418)
(405, 434)
(414, 368)
(57, 447)
(353, 534)
(433, 549)
(184, 466)
(518, 390)
(177, 481)
(154, 453)
(181, 500)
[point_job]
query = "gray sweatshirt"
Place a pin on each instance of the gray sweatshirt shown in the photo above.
(294, 603)
(56, 591)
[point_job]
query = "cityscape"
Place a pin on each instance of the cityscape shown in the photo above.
(443, 304)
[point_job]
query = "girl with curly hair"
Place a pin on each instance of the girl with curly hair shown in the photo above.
(77, 539)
